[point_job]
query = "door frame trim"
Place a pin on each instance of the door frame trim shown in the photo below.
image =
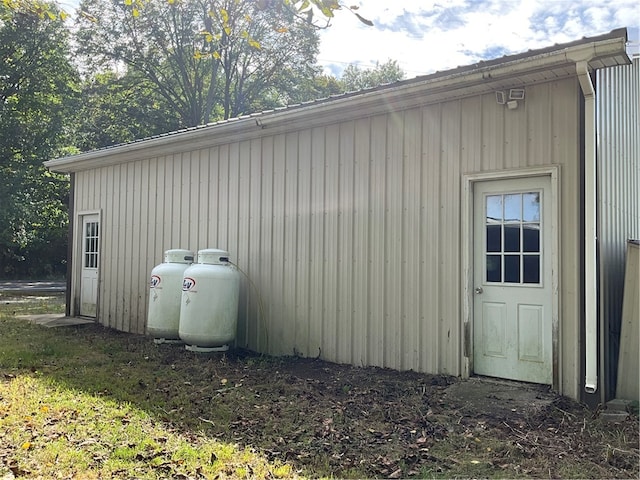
(468, 182)
(77, 271)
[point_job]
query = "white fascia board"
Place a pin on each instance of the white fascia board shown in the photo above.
(167, 144)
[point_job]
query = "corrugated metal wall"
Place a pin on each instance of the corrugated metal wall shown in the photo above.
(351, 231)
(618, 125)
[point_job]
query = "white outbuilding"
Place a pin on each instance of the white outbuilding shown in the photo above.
(468, 222)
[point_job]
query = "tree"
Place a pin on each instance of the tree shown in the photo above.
(36, 80)
(354, 78)
(305, 10)
(37, 8)
(120, 108)
(293, 90)
(199, 54)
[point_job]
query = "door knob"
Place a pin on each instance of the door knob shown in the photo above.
(478, 290)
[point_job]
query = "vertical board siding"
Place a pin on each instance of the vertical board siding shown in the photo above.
(344, 253)
(449, 231)
(119, 250)
(349, 232)
(108, 277)
(515, 135)
(275, 294)
(618, 126)
(265, 253)
(492, 134)
(243, 235)
(394, 163)
(303, 234)
(410, 249)
(540, 131)
(361, 247)
(376, 244)
(140, 237)
(291, 326)
(430, 279)
(253, 331)
(564, 117)
(330, 246)
(316, 244)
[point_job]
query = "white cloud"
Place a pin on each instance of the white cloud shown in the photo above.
(427, 36)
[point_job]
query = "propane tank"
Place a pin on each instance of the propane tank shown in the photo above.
(209, 306)
(163, 319)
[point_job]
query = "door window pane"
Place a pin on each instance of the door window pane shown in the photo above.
(512, 268)
(494, 208)
(513, 207)
(531, 238)
(531, 207)
(494, 238)
(91, 245)
(513, 238)
(531, 264)
(494, 268)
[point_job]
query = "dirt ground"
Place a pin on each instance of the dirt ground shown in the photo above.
(393, 424)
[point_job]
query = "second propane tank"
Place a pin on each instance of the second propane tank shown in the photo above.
(209, 306)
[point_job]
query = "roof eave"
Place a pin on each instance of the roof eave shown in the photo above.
(599, 53)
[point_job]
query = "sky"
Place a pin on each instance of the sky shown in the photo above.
(425, 36)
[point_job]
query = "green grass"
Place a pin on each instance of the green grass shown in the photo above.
(71, 405)
(30, 303)
(46, 427)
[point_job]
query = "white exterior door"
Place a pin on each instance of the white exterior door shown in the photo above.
(90, 265)
(512, 307)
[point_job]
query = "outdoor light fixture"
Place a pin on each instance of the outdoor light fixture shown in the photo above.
(516, 94)
(510, 99)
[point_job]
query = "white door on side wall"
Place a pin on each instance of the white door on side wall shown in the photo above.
(90, 265)
(512, 305)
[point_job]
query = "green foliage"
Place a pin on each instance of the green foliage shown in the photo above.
(317, 13)
(355, 78)
(306, 10)
(120, 108)
(35, 8)
(292, 89)
(150, 67)
(208, 61)
(36, 82)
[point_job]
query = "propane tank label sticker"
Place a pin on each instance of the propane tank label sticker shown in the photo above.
(188, 284)
(155, 281)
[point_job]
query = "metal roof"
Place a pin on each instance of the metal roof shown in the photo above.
(533, 66)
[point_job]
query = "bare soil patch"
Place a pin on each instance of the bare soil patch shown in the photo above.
(385, 423)
(338, 420)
